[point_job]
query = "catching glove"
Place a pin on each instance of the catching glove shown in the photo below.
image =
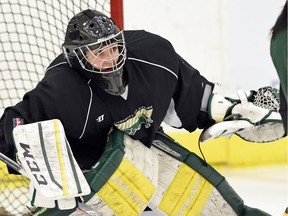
(252, 115)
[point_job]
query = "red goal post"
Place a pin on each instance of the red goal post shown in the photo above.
(31, 35)
(117, 12)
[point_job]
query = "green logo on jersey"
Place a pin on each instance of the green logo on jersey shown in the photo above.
(133, 123)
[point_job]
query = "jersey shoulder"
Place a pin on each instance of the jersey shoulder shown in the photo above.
(137, 40)
(152, 48)
(59, 72)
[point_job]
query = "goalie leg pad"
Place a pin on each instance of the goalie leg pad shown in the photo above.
(188, 186)
(124, 179)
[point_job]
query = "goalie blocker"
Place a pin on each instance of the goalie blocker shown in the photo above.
(47, 160)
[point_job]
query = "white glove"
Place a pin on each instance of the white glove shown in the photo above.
(252, 115)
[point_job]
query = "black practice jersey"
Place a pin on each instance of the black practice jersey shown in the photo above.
(161, 86)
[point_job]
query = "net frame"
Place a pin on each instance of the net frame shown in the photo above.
(31, 35)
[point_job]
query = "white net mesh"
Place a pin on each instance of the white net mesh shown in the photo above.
(31, 35)
(268, 98)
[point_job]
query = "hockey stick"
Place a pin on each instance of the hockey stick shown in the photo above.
(82, 207)
(12, 164)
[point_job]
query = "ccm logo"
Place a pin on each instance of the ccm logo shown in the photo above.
(32, 164)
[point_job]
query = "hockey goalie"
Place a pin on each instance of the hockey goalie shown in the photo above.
(130, 178)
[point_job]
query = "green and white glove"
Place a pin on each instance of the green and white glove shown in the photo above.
(252, 115)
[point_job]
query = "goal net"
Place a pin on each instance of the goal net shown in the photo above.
(31, 35)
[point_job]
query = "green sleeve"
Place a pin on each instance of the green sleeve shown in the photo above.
(278, 52)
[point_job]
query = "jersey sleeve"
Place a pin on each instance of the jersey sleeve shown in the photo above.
(191, 97)
(39, 104)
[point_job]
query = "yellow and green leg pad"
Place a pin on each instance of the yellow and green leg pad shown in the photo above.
(187, 185)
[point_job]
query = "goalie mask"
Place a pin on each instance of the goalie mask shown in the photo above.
(95, 46)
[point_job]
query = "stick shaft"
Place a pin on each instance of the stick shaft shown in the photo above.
(11, 163)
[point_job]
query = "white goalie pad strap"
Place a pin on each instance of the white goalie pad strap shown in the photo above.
(133, 183)
(46, 157)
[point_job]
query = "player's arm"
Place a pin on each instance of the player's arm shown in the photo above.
(253, 115)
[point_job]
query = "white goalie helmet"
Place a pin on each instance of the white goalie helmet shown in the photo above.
(95, 46)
